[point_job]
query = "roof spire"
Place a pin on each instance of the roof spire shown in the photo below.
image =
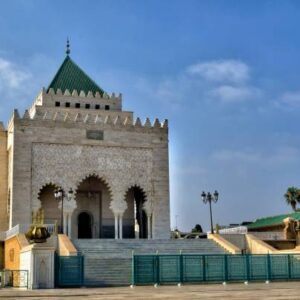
(68, 50)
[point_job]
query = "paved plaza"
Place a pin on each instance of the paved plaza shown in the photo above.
(257, 291)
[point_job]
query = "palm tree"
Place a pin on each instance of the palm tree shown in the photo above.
(292, 197)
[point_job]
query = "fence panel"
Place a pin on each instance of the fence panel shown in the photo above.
(69, 271)
(149, 269)
(237, 267)
(215, 267)
(279, 266)
(294, 262)
(193, 268)
(145, 269)
(169, 268)
(258, 267)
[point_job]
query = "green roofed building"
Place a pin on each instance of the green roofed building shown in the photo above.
(76, 137)
(274, 223)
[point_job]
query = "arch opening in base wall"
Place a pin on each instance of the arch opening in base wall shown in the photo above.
(93, 198)
(135, 218)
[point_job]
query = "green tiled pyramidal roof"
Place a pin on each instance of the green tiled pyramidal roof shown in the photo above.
(273, 221)
(70, 76)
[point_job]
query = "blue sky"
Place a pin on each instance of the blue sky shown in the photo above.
(225, 74)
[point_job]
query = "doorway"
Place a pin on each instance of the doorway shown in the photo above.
(84, 226)
(93, 197)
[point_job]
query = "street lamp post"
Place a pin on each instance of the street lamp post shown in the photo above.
(208, 198)
(59, 194)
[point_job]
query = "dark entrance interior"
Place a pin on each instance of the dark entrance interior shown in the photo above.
(84, 226)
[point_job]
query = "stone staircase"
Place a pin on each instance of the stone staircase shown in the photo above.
(108, 262)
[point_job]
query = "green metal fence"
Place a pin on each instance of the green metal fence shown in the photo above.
(194, 268)
(69, 271)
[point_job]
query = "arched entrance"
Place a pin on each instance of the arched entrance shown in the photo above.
(84, 226)
(93, 198)
(134, 218)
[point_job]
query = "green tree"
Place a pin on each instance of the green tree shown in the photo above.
(292, 197)
(197, 228)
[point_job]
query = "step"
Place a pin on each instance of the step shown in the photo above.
(108, 262)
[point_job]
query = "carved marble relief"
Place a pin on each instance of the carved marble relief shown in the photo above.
(68, 165)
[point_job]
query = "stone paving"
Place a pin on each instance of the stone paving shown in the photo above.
(258, 291)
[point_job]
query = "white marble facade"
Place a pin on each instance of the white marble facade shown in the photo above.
(51, 146)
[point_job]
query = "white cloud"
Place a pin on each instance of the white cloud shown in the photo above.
(233, 94)
(11, 75)
(221, 70)
(173, 92)
(278, 156)
(291, 99)
(224, 80)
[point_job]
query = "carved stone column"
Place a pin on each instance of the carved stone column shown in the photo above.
(69, 206)
(149, 235)
(118, 206)
(148, 208)
(121, 227)
(70, 225)
(116, 227)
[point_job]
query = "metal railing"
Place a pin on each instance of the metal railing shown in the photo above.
(234, 230)
(197, 268)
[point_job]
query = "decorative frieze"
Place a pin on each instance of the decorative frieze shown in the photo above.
(68, 165)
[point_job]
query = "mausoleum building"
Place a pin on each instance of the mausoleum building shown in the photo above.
(113, 169)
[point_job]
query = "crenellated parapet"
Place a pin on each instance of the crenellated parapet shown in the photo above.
(82, 94)
(76, 100)
(113, 120)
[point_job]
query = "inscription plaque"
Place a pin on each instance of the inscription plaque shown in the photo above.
(94, 134)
